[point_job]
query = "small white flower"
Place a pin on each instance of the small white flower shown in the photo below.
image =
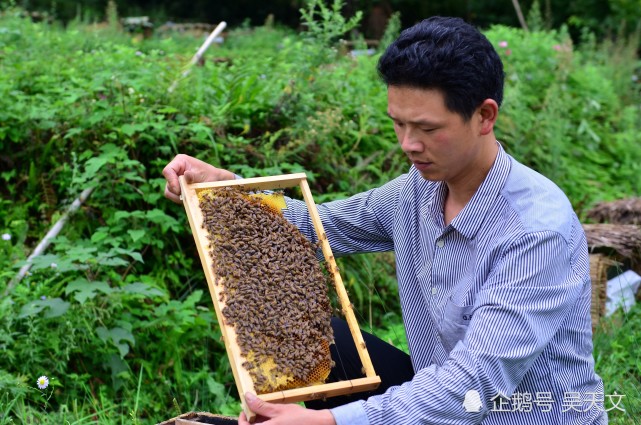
(138, 53)
(54, 265)
(6, 237)
(43, 382)
(44, 297)
(131, 90)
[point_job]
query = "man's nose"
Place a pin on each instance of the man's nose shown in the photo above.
(410, 141)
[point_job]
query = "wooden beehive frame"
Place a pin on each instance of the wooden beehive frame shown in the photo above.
(241, 375)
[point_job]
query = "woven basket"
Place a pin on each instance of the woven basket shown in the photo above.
(195, 418)
(599, 264)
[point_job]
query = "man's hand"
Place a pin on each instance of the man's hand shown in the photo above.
(194, 170)
(283, 414)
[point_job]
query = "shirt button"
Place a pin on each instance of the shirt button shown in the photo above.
(434, 291)
(440, 243)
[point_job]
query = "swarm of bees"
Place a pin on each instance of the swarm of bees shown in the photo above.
(274, 290)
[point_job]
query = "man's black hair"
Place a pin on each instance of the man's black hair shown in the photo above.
(449, 55)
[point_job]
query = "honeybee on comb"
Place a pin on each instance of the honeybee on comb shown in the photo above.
(274, 290)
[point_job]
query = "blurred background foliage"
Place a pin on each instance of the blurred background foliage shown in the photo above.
(602, 17)
(116, 312)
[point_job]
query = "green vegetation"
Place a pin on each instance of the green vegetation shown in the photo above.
(116, 313)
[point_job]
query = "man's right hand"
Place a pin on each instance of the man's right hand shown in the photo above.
(194, 170)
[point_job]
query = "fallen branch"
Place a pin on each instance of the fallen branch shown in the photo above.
(215, 33)
(44, 243)
(519, 14)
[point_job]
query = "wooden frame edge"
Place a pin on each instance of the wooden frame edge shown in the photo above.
(241, 377)
(315, 392)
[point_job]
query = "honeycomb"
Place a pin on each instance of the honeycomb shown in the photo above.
(274, 290)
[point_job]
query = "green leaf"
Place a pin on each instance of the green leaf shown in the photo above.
(131, 129)
(118, 368)
(160, 217)
(72, 132)
(81, 253)
(52, 307)
(121, 338)
(136, 235)
(133, 254)
(139, 288)
(100, 234)
(112, 261)
(93, 165)
(52, 261)
(167, 110)
(85, 289)
(136, 256)
(216, 389)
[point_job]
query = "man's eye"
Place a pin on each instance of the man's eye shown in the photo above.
(428, 130)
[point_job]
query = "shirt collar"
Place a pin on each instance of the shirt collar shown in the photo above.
(469, 220)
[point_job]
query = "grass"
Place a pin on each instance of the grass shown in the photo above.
(617, 354)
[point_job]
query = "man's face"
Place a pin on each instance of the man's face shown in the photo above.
(440, 144)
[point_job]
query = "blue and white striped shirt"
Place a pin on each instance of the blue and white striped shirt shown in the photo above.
(496, 304)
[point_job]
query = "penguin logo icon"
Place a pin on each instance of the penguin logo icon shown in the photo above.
(472, 402)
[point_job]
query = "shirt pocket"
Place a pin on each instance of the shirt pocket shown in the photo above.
(456, 319)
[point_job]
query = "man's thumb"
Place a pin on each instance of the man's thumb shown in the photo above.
(259, 406)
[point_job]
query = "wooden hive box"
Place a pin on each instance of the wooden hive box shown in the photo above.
(599, 264)
(244, 383)
(612, 247)
(199, 418)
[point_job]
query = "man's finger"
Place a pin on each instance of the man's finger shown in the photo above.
(172, 178)
(242, 420)
(172, 196)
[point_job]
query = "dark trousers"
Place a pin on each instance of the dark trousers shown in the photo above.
(391, 364)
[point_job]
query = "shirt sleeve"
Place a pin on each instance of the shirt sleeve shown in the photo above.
(350, 414)
(527, 296)
(361, 223)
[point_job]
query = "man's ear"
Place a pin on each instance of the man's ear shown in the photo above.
(488, 112)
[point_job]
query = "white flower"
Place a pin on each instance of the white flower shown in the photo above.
(54, 265)
(6, 237)
(43, 382)
(131, 90)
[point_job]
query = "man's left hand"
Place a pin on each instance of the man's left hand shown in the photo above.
(283, 414)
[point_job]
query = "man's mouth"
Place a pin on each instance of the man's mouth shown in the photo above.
(422, 165)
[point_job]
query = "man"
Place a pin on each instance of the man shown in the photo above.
(492, 262)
